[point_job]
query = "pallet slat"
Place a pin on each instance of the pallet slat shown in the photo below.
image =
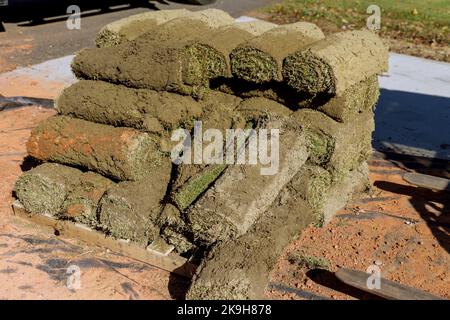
(427, 181)
(389, 289)
(171, 262)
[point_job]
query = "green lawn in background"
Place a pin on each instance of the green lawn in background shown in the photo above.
(425, 21)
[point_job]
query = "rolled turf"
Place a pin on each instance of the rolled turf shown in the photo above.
(325, 197)
(219, 111)
(225, 39)
(173, 229)
(242, 193)
(117, 105)
(173, 65)
(355, 183)
(43, 189)
(215, 18)
(257, 27)
(121, 153)
(336, 63)
(338, 147)
(259, 110)
(359, 98)
(82, 202)
(193, 179)
(240, 268)
(130, 210)
(312, 184)
(131, 27)
(208, 40)
(260, 59)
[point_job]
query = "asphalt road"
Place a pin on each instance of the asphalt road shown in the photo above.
(36, 35)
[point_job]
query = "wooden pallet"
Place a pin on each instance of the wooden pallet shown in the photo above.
(155, 254)
(427, 181)
(388, 290)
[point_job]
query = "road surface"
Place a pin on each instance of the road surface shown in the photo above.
(47, 37)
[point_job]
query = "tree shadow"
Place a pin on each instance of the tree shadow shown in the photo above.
(328, 279)
(425, 165)
(424, 202)
(413, 123)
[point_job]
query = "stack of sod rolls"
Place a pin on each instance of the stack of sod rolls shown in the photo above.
(107, 156)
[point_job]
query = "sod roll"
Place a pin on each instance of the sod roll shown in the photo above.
(261, 58)
(336, 63)
(173, 229)
(117, 105)
(240, 268)
(181, 29)
(131, 27)
(204, 50)
(219, 113)
(158, 65)
(225, 39)
(215, 18)
(243, 192)
(43, 189)
(359, 98)
(260, 110)
(130, 209)
(312, 184)
(200, 59)
(353, 185)
(179, 241)
(191, 26)
(82, 202)
(121, 153)
(325, 197)
(256, 28)
(338, 147)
